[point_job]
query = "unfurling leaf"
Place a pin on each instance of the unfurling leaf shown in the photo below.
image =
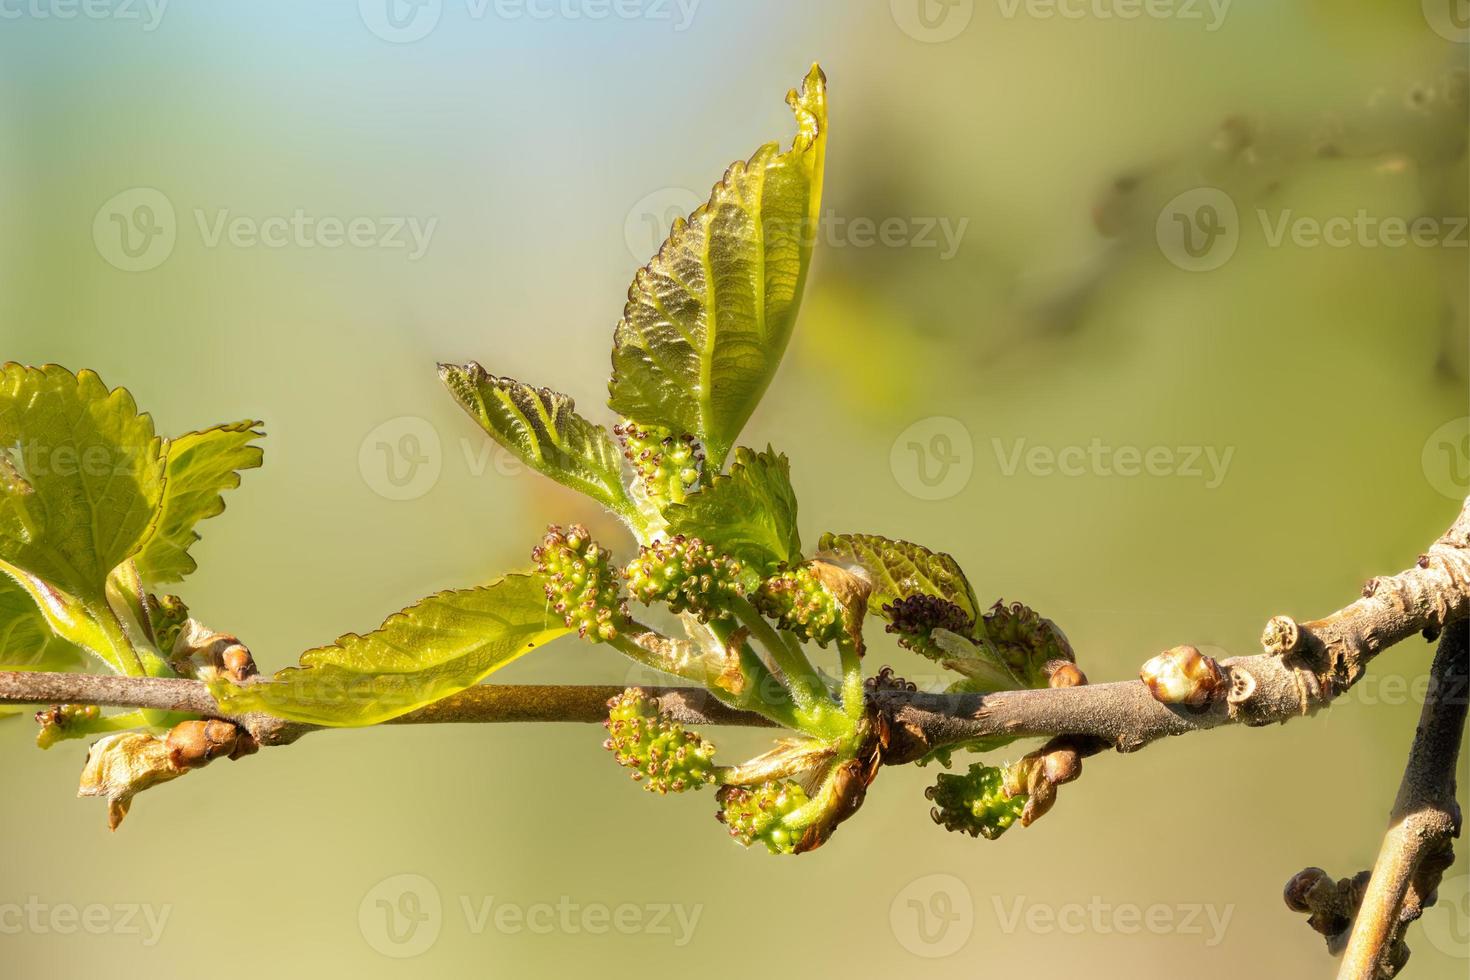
(900, 569)
(199, 467)
(121, 766)
(81, 477)
(708, 319)
(541, 427)
(748, 513)
(442, 645)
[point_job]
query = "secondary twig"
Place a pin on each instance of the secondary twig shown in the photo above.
(1425, 819)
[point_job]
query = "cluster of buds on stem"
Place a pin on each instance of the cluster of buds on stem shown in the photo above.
(758, 813)
(800, 602)
(1026, 639)
(975, 803)
(661, 753)
(166, 619)
(581, 582)
(914, 619)
(668, 466)
(686, 573)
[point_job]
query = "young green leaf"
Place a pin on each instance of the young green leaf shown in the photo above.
(83, 476)
(541, 427)
(901, 569)
(199, 467)
(708, 319)
(442, 645)
(26, 641)
(748, 513)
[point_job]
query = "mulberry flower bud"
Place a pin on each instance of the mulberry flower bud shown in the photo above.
(658, 749)
(1183, 675)
(799, 602)
(667, 465)
(166, 618)
(975, 803)
(757, 813)
(915, 618)
(1030, 643)
(687, 574)
(581, 582)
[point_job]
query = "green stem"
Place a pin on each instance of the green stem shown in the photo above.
(854, 699)
(808, 691)
(760, 683)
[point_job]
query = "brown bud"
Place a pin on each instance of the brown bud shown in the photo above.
(195, 744)
(237, 663)
(1183, 675)
(1062, 766)
(1299, 889)
(1038, 802)
(1066, 675)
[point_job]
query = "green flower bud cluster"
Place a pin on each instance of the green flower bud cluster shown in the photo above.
(915, 618)
(668, 466)
(799, 602)
(975, 803)
(166, 617)
(581, 582)
(687, 574)
(1027, 640)
(757, 813)
(657, 748)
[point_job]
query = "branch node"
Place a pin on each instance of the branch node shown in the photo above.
(1282, 636)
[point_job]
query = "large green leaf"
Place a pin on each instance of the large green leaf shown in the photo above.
(749, 513)
(709, 317)
(81, 477)
(199, 467)
(26, 641)
(902, 568)
(543, 429)
(442, 645)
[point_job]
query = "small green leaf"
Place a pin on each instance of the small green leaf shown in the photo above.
(901, 569)
(708, 319)
(81, 477)
(26, 641)
(748, 513)
(541, 427)
(199, 467)
(442, 645)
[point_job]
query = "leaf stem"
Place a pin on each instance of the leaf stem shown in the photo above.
(808, 691)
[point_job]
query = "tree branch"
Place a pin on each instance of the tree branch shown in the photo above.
(1306, 666)
(1425, 819)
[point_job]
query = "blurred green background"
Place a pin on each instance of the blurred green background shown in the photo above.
(1033, 294)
